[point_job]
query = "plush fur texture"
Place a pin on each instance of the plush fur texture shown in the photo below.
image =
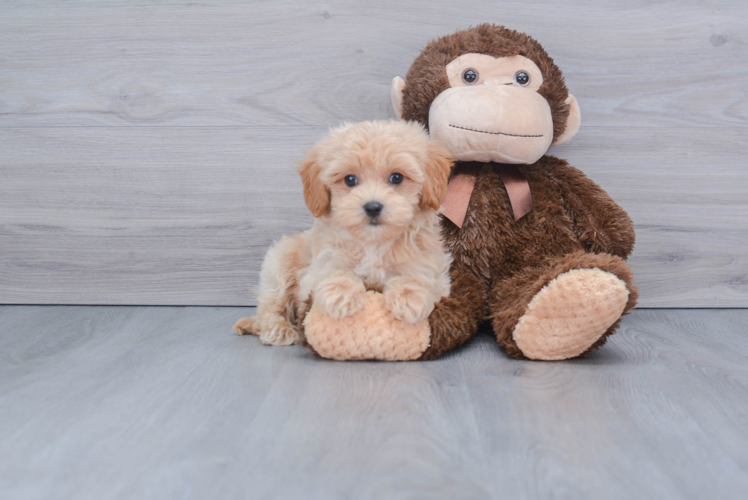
(574, 224)
(427, 77)
(567, 315)
(347, 250)
(510, 300)
(504, 270)
(368, 334)
(493, 118)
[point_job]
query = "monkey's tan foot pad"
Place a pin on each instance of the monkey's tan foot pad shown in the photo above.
(371, 333)
(570, 314)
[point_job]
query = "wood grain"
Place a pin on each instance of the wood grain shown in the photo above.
(641, 63)
(148, 149)
(123, 216)
(150, 402)
(186, 215)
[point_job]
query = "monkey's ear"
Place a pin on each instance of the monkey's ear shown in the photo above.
(436, 172)
(398, 84)
(316, 194)
(572, 122)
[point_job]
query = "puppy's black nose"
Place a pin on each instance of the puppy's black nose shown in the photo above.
(373, 208)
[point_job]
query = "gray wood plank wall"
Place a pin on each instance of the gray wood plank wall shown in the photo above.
(147, 149)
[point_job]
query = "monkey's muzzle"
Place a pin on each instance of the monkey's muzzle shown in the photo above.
(499, 123)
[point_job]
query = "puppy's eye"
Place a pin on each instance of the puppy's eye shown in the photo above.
(470, 76)
(350, 180)
(396, 178)
(522, 78)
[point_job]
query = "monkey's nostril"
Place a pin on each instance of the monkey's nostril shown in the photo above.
(373, 208)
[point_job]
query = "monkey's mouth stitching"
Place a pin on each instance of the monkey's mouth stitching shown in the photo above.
(492, 133)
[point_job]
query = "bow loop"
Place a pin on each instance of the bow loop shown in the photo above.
(463, 181)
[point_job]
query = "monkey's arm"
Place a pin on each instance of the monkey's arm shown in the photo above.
(373, 333)
(455, 318)
(600, 223)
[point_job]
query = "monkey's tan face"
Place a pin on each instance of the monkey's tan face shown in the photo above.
(492, 110)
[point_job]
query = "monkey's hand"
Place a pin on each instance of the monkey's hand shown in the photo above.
(371, 333)
(600, 223)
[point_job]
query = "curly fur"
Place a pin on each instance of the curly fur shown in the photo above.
(347, 250)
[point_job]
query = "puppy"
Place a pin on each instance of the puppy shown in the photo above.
(374, 189)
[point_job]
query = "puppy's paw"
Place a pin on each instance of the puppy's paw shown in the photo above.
(272, 330)
(279, 332)
(340, 296)
(247, 326)
(409, 301)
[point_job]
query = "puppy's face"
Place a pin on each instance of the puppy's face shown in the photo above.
(373, 178)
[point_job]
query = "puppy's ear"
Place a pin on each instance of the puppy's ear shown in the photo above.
(436, 169)
(316, 194)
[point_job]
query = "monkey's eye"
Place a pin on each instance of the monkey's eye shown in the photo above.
(522, 78)
(396, 178)
(350, 180)
(470, 76)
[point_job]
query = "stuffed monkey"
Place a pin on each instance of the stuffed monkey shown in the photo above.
(539, 249)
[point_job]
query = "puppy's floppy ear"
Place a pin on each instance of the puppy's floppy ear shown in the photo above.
(316, 194)
(436, 169)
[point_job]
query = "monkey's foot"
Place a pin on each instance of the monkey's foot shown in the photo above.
(371, 333)
(568, 315)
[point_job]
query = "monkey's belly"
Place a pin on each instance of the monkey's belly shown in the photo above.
(493, 244)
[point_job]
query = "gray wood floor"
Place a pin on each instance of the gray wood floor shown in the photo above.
(147, 147)
(165, 402)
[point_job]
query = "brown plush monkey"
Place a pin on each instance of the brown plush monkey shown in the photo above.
(538, 247)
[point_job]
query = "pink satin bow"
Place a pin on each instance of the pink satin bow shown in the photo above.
(463, 182)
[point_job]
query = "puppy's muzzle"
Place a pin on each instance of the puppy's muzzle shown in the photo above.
(373, 209)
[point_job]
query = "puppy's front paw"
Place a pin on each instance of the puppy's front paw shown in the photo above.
(408, 301)
(340, 296)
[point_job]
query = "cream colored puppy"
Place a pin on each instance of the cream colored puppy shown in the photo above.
(374, 189)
